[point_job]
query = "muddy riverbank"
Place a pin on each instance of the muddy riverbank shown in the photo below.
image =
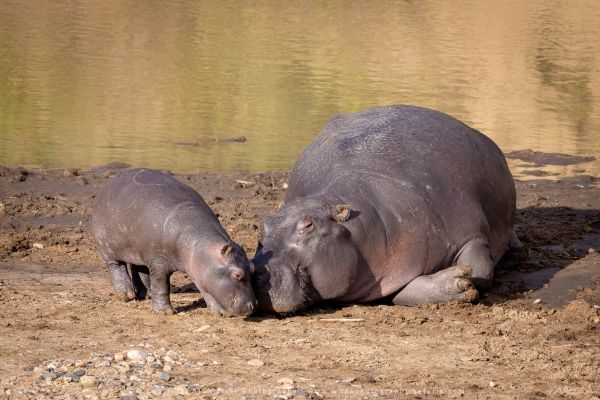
(535, 335)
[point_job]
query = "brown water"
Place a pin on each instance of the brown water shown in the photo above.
(157, 83)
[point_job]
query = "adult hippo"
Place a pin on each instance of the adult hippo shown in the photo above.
(396, 201)
(157, 225)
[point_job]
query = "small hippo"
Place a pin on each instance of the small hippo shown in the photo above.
(158, 225)
(397, 201)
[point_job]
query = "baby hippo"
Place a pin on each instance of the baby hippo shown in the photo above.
(158, 225)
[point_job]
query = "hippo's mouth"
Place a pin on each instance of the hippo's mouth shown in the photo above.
(213, 304)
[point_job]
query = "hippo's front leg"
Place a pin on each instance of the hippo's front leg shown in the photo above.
(160, 289)
(446, 285)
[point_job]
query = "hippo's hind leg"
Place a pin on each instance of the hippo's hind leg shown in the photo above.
(121, 279)
(160, 289)
(140, 277)
(446, 285)
(476, 254)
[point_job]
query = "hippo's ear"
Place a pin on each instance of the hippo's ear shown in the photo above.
(340, 213)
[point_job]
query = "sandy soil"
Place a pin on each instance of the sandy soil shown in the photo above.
(57, 306)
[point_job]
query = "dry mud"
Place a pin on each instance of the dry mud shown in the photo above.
(60, 321)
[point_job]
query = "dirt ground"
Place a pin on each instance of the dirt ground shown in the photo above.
(535, 335)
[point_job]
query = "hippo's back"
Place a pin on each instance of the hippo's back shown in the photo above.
(144, 208)
(459, 173)
(399, 140)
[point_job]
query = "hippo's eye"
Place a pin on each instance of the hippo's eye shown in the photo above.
(305, 225)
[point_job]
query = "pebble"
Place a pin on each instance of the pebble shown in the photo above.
(287, 381)
(180, 390)
(255, 362)
(137, 356)
(119, 357)
(163, 376)
(129, 397)
(348, 380)
(299, 394)
(88, 381)
(537, 301)
(493, 384)
(202, 328)
(37, 246)
(157, 390)
(285, 386)
(167, 368)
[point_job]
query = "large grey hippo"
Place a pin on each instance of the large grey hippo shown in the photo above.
(396, 201)
(158, 225)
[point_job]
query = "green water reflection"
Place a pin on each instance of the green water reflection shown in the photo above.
(84, 83)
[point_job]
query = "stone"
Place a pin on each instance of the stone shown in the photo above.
(255, 362)
(157, 390)
(493, 384)
(348, 380)
(167, 368)
(180, 390)
(285, 386)
(119, 357)
(89, 381)
(299, 394)
(287, 381)
(163, 376)
(137, 356)
(202, 328)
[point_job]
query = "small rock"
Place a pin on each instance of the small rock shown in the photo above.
(137, 356)
(28, 368)
(157, 390)
(79, 372)
(163, 376)
(299, 394)
(169, 359)
(88, 381)
(284, 185)
(180, 390)
(493, 384)
(591, 250)
(119, 357)
(150, 359)
(104, 364)
(287, 381)
(537, 301)
(168, 368)
(52, 365)
(285, 386)
(129, 397)
(255, 362)
(39, 370)
(348, 380)
(202, 328)
(47, 375)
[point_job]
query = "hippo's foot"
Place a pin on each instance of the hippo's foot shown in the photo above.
(121, 279)
(450, 284)
(165, 310)
(126, 296)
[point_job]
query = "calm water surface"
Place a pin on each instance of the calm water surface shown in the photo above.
(159, 84)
